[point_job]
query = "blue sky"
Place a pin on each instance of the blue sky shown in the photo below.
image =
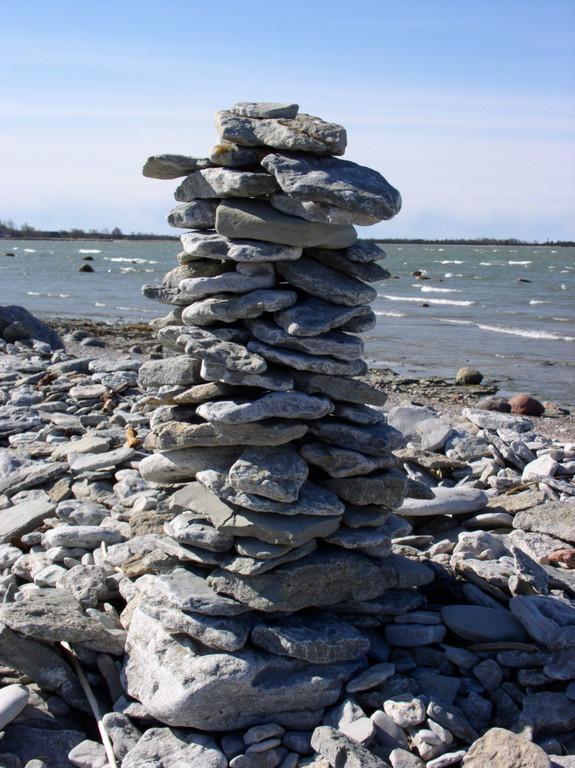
(468, 108)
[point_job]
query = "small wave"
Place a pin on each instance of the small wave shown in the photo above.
(49, 295)
(431, 289)
(29, 250)
(390, 314)
(451, 261)
(520, 263)
(539, 301)
(525, 333)
(485, 263)
(99, 304)
(89, 250)
(455, 303)
(130, 261)
(33, 293)
(452, 321)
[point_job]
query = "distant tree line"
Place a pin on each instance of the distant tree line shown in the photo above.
(28, 232)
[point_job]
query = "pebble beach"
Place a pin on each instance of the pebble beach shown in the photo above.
(227, 540)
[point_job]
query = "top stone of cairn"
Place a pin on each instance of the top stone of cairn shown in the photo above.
(302, 133)
(263, 109)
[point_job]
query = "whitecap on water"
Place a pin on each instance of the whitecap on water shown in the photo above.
(451, 261)
(520, 263)
(130, 261)
(88, 250)
(431, 289)
(539, 301)
(526, 333)
(29, 250)
(455, 303)
(390, 314)
(485, 263)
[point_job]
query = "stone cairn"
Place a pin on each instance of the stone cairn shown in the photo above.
(286, 534)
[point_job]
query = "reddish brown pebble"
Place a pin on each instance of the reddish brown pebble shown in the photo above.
(526, 405)
(562, 557)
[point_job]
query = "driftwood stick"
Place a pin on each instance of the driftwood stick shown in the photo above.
(93, 703)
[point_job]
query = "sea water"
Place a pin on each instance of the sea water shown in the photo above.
(508, 311)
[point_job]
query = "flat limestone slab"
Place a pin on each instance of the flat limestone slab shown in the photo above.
(300, 361)
(556, 518)
(265, 109)
(199, 214)
(275, 379)
(312, 500)
(222, 309)
(376, 440)
(176, 435)
(276, 473)
(311, 316)
(282, 405)
(304, 133)
(257, 220)
(323, 213)
(326, 283)
(172, 166)
(198, 245)
(335, 182)
(224, 182)
(339, 388)
(323, 578)
(246, 278)
(445, 501)
(334, 343)
(24, 517)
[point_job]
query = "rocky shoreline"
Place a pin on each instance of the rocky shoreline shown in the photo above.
(485, 640)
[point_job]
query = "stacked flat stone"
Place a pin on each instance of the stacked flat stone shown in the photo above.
(285, 454)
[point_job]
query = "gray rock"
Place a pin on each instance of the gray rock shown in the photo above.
(556, 518)
(182, 466)
(414, 635)
(483, 625)
(283, 405)
(186, 529)
(371, 541)
(172, 166)
(230, 155)
(335, 182)
(224, 182)
(43, 665)
(17, 323)
(88, 754)
(190, 592)
(339, 462)
(233, 356)
(275, 379)
(24, 517)
(245, 278)
(53, 615)
(369, 271)
(87, 462)
(293, 531)
(359, 414)
(199, 214)
(504, 749)
(176, 435)
(387, 733)
(304, 133)
(319, 212)
(215, 692)
(405, 418)
(386, 489)
(377, 440)
(223, 633)
(167, 748)
(301, 361)
(326, 283)
(265, 109)
(339, 388)
(123, 734)
(276, 473)
(54, 745)
(321, 579)
(312, 316)
(549, 712)
(311, 500)
(336, 344)
(372, 677)
(433, 433)
(88, 583)
(452, 719)
(13, 699)
(445, 501)
(199, 245)
(228, 310)
(83, 536)
(493, 421)
(320, 639)
(258, 220)
(341, 751)
(173, 371)
(249, 566)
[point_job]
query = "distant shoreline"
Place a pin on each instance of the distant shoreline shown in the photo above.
(485, 241)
